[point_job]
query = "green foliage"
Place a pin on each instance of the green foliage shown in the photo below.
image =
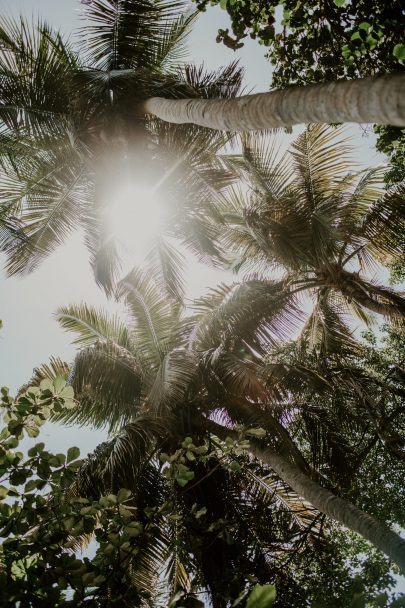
(322, 227)
(43, 517)
(262, 596)
(309, 42)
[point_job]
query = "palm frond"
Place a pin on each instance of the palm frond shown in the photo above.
(36, 68)
(108, 384)
(384, 225)
(93, 325)
(172, 381)
(56, 368)
(166, 264)
(103, 250)
(172, 44)
(126, 34)
(252, 315)
(47, 200)
(326, 331)
(153, 315)
(320, 157)
(234, 374)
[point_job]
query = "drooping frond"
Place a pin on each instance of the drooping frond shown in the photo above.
(263, 164)
(253, 314)
(234, 375)
(153, 316)
(166, 264)
(36, 69)
(326, 330)
(320, 158)
(172, 380)
(108, 383)
(172, 49)
(93, 325)
(103, 251)
(384, 225)
(47, 198)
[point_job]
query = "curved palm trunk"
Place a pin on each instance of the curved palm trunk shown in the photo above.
(376, 100)
(324, 500)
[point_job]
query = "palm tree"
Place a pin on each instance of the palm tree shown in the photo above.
(69, 138)
(320, 228)
(140, 379)
(189, 375)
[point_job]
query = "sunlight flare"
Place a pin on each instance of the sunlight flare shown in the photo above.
(136, 217)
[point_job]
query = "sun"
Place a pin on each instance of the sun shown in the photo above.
(135, 217)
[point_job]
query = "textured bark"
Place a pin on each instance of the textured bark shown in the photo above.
(378, 100)
(339, 509)
(249, 414)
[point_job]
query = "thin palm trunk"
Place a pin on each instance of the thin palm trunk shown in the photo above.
(378, 100)
(339, 509)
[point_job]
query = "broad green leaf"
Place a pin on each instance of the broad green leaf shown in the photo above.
(67, 392)
(59, 384)
(46, 385)
(399, 51)
(68, 523)
(123, 494)
(259, 433)
(262, 596)
(30, 485)
(72, 454)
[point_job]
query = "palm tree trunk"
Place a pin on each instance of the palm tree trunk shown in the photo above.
(378, 100)
(339, 509)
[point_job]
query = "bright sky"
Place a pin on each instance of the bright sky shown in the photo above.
(31, 335)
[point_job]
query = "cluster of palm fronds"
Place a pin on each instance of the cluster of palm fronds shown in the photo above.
(305, 233)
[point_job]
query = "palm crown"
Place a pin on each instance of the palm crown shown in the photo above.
(155, 381)
(320, 226)
(70, 137)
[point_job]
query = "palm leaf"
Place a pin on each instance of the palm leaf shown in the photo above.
(36, 68)
(172, 381)
(126, 34)
(253, 314)
(166, 264)
(94, 325)
(108, 384)
(153, 316)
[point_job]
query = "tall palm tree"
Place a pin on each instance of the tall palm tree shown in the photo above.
(190, 371)
(140, 379)
(69, 138)
(320, 227)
